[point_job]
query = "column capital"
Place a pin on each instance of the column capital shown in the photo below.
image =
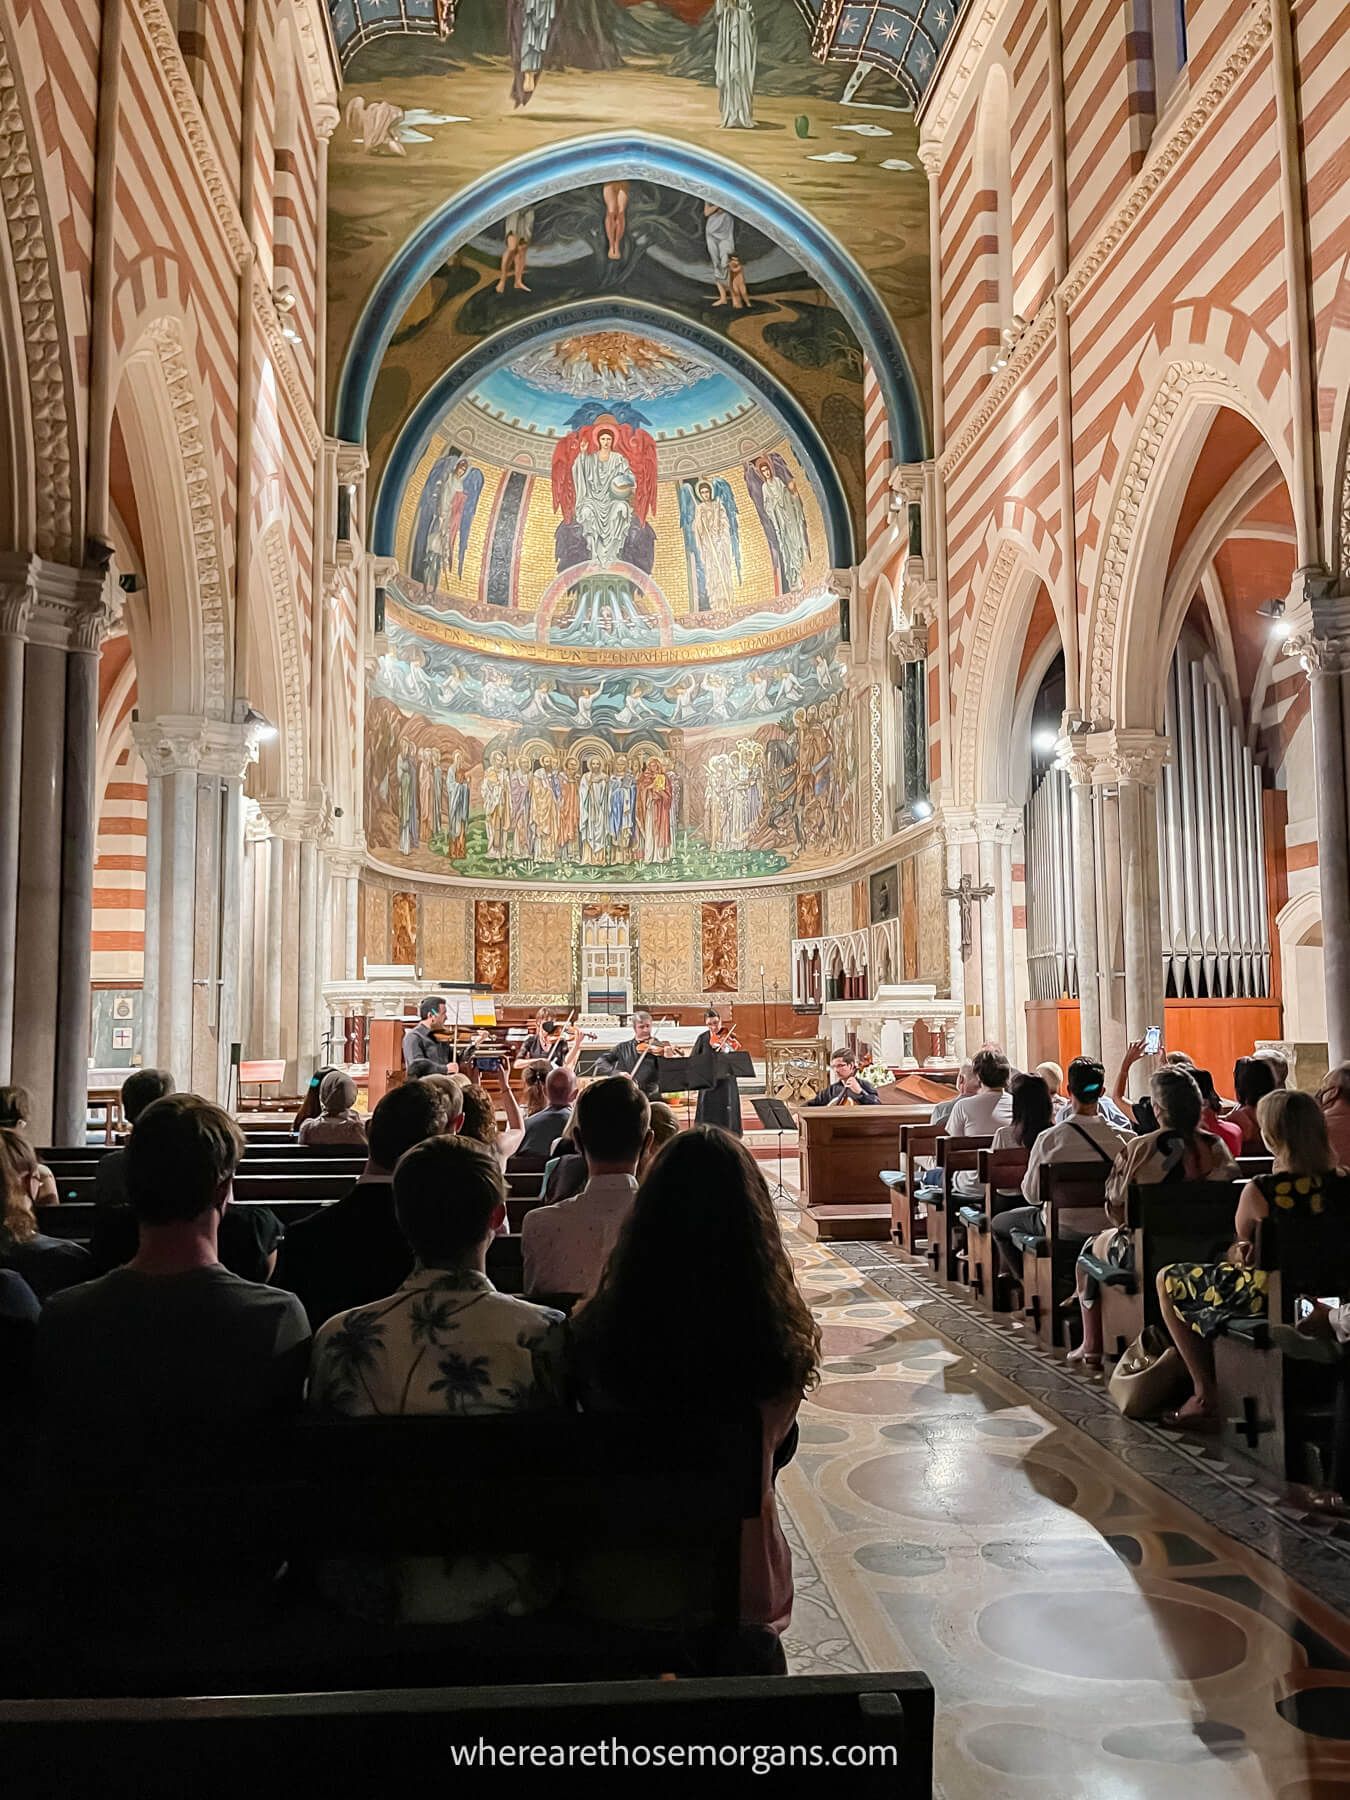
(52, 603)
(1319, 629)
(931, 154)
(300, 821)
(957, 824)
(326, 120)
(178, 741)
(1131, 754)
(1001, 823)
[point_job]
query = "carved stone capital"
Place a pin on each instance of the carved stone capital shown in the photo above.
(16, 602)
(909, 643)
(957, 825)
(349, 460)
(999, 824)
(1319, 626)
(52, 603)
(1131, 755)
(931, 154)
(326, 120)
(178, 741)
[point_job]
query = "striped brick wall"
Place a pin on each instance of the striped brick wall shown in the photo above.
(876, 453)
(118, 938)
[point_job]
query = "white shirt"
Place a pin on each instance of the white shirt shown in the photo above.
(981, 1114)
(1064, 1143)
(565, 1246)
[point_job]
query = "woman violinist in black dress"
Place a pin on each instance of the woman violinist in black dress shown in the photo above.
(719, 1104)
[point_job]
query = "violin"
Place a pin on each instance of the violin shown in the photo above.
(723, 1038)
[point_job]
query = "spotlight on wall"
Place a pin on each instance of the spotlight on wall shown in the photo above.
(1044, 739)
(263, 727)
(1274, 610)
(921, 809)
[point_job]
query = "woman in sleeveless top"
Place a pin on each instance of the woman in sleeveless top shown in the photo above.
(1198, 1299)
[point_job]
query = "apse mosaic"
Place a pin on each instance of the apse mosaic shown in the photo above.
(444, 96)
(612, 650)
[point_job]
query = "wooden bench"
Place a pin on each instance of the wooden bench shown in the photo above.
(1073, 1207)
(347, 1743)
(1275, 1411)
(946, 1234)
(907, 1227)
(1001, 1173)
(569, 1487)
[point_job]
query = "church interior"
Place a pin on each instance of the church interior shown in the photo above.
(772, 575)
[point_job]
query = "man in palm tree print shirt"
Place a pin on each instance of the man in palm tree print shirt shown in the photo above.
(445, 1343)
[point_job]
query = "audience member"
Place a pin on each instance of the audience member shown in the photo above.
(704, 1205)
(1228, 1132)
(967, 1084)
(420, 1068)
(353, 1252)
(980, 1114)
(16, 1103)
(1198, 1299)
(665, 1125)
(533, 1080)
(338, 1121)
(444, 1343)
(1178, 1151)
(173, 1340)
(564, 1246)
(1278, 1064)
(1334, 1099)
(1032, 1113)
(478, 1118)
(1253, 1079)
(1053, 1077)
(309, 1107)
(544, 1127)
(140, 1089)
(1083, 1135)
(19, 1313)
(247, 1239)
(565, 1170)
(47, 1264)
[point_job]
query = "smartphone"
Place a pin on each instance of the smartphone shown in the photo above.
(1153, 1040)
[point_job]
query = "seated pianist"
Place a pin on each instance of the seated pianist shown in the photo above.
(848, 1087)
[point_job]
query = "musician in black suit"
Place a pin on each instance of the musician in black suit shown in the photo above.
(419, 1043)
(634, 1057)
(719, 1104)
(848, 1087)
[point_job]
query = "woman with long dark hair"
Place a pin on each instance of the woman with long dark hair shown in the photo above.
(704, 1207)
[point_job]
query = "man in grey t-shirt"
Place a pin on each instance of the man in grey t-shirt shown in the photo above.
(135, 1362)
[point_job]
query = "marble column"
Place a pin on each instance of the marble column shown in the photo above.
(306, 985)
(1323, 643)
(991, 987)
(1073, 760)
(79, 830)
(15, 602)
(350, 971)
(276, 926)
(37, 950)
(1127, 768)
(247, 927)
(1014, 1034)
(957, 830)
(154, 843)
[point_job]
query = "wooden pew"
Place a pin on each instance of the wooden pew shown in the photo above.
(907, 1227)
(1185, 1221)
(1001, 1172)
(946, 1233)
(347, 1743)
(567, 1486)
(843, 1151)
(1073, 1207)
(1275, 1412)
(75, 1219)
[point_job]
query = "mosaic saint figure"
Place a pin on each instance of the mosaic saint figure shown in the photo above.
(520, 804)
(655, 801)
(604, 486)
(569, 810)
(737, 51)
(594, 798)
(712, 536)
(544, 808)
(529, 27)
(497, 805)
(456, 805)
(719, 232)
(622, 811)
(773, 489)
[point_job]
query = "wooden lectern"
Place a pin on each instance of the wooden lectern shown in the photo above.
(386, 1056)
(843, 1151)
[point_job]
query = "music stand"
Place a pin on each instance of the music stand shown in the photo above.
(681, 1075)
(774, 1116)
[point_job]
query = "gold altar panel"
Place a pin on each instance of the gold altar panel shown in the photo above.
(768, 935)
(377, 923)
(492, 943)
(810, 923)
(544, 948)
(403, 928)
(839, 909)
(721, 947)
(862, 904)
(909, 918)
(932, 916)
(445, 937)
(667, 958)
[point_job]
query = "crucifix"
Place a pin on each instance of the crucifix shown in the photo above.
(965, 893)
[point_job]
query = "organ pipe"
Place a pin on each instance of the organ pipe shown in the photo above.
(1212, 874)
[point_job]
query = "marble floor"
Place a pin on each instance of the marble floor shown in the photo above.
(1087, 1632)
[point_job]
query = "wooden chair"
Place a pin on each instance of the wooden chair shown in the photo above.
(1001, 1172)
(1073, 1207)
(1276, 1412)
(907, 1227)
(946, 1232)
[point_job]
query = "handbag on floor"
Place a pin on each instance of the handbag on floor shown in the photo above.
(1148, 1375)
